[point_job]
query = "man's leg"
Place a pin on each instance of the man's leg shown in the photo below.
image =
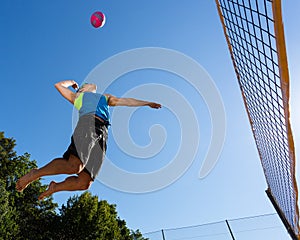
(73, 183)
(57, 166)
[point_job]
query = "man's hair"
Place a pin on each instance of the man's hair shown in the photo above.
(81, 86)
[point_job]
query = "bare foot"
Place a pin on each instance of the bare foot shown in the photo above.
(24, 181)
(49, 191)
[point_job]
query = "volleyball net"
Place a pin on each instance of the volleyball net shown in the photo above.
(255, 36)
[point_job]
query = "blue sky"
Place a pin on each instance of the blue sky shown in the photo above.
(44, 42)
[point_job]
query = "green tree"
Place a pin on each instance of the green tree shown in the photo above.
(31, 216)
(8, 228)
(85, 217)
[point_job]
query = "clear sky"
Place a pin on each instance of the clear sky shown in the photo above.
(43, 42)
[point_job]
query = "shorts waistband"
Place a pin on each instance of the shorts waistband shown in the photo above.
(99, 119)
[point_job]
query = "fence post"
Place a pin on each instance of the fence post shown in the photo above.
(163, 234)
(230, 230)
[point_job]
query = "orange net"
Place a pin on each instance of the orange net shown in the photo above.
(255, 36)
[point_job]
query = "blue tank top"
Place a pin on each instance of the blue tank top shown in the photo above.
(93, 103)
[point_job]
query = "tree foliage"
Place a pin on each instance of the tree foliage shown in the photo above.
(30, 216)
(85, 217)
(8, 228)
(22, 216)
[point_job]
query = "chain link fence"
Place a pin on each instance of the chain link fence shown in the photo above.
(259, 227)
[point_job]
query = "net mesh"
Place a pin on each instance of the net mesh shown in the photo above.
(254, 33)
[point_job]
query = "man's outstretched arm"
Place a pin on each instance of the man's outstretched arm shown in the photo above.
(130, 102)
(63, 88)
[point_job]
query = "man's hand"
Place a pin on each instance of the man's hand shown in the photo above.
(154, 105)
(68, 83)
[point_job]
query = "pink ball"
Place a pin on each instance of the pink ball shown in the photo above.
(98, 19)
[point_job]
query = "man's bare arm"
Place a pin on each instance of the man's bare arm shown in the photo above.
(63, 88)
(130, 102)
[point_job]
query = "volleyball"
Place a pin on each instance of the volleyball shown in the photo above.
(98, 19)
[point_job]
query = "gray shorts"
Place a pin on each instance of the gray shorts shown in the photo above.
(88, 143)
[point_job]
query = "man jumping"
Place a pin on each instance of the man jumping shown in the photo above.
(86, 152)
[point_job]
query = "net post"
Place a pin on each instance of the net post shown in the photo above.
(281, 215)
